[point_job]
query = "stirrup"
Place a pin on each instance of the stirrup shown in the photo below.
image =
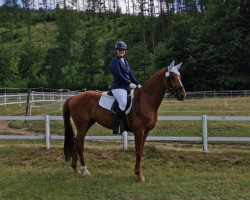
(115, 132)
(119, 131)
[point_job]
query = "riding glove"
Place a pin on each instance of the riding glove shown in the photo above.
(132, 85)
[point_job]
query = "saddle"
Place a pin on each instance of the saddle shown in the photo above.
(109, 102)
(116, 104)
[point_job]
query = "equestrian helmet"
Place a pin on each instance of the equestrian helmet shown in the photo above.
(120, 45)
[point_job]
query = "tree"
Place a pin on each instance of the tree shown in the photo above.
(31, 58)
(211, 42)
(109, 53)
(59, 60)
(141, 61)
(27, 16)
(10, 19)
(8, 70)
(243, 22)
(90, 62)
(220, 30)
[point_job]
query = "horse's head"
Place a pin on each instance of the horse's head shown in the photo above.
(173, 83)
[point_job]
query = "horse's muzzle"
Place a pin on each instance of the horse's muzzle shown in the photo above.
(180, 93)
(180, 97)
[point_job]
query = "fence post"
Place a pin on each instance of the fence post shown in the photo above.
(204, 132)
(61, 100)
(47, 129)
(5, 100)
(27, 104)
(20, 100)
(43, 98)
(125, 140)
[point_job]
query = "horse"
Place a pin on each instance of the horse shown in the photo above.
(85, 111)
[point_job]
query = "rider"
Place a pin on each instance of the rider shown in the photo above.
(123, 81)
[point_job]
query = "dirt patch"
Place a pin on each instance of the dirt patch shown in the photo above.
(4, 128)
(231, 159)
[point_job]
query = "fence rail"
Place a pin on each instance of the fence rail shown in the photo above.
(60, 96)
(204, 139)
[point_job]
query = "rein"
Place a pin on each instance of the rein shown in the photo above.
(138, 99)
(152, 91)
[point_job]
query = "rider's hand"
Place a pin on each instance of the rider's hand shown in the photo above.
(132, 85)
(139, 86)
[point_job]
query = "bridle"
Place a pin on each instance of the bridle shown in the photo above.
(171, 90)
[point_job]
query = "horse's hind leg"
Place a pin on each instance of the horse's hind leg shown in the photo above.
(78, 146)
(78, 149)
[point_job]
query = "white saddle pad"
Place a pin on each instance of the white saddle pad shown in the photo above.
(106, 102)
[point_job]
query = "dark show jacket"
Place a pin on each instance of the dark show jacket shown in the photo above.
(122, 75)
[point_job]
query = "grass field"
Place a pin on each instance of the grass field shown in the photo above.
(173, 171)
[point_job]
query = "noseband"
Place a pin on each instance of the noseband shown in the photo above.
(173, 91)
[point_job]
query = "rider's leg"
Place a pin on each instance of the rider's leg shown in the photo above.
(121, 97)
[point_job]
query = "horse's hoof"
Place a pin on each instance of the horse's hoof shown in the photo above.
(87, 174)
(140, 179)
(77, 171)
(85, 171)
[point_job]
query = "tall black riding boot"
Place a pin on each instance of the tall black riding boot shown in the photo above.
(117, 119)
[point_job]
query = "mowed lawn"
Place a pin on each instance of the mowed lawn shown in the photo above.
(173, 170)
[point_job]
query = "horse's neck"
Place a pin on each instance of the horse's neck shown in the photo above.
(153, 90)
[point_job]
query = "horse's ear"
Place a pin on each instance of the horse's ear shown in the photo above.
(178, 66)
(171, 65)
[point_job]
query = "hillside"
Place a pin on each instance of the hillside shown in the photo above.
(63, 48)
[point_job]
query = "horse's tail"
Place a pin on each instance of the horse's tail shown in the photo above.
(68, 131)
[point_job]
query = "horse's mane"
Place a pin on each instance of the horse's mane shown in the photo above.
(158, 75)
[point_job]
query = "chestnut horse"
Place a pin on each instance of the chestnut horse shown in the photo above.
(85, 111)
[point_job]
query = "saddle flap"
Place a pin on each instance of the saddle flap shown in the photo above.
(106, 101)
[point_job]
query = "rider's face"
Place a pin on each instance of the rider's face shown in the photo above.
(121, 52)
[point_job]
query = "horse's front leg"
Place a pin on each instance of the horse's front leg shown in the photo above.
(139, 144)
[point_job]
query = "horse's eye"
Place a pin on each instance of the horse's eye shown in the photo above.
(172, 78)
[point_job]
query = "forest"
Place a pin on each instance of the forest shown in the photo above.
(70, 45)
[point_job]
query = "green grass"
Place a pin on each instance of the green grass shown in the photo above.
(173, 171)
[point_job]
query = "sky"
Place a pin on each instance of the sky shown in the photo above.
(120, 2)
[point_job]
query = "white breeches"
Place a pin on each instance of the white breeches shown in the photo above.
(121, 96)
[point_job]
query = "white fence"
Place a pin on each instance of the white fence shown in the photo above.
(204, 139)
(35, 97)
(217, 94)
(60, 96)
